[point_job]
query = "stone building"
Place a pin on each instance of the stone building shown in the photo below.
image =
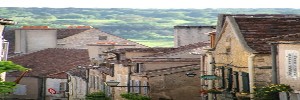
(241, 54)
(47, 79)
(184, 35)
(34, 38)
(162, 69)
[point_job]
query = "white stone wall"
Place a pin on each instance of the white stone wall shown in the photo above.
(27, 41)
(184, 35)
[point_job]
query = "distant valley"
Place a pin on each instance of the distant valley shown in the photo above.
(152, 27)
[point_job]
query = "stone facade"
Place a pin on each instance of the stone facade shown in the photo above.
(283, 76)
(185, 35)
(232, 53)
(92, 36)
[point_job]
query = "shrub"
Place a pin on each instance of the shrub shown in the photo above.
(96, 96)
(271, 92)
(134, 96)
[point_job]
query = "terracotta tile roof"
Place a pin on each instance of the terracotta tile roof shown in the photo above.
(154, 50)
(63, 33)
(256, 29)
(181, 48)
(168, 71)
(155, 59)
(52, 61)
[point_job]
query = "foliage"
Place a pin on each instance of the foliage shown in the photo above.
(271, 92)
(214, 91)
(9, 66)
(96, 96)
(7, 87)
(134, 96)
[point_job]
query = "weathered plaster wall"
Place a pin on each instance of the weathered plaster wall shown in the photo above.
(184, 35)
(32, 85)
(77, 87)
(120, 75)
(175, 86)
(54, 84)
(282, 67)
(34, 40)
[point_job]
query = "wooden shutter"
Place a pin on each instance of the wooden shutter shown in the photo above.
(245, 78)
(236, 81)
(132, 84)
(223, 77)
(229, 79)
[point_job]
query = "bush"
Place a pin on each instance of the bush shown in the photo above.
(96, 96)
(134, 96)
(271, 92)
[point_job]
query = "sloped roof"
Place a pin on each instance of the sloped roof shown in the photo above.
(51, 61)
(155, 59)
(63, 33)
(154, 50)
(170, 70)
(181, 48)
(4, 21)
(255, 29)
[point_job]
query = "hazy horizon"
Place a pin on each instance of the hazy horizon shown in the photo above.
(151, 4)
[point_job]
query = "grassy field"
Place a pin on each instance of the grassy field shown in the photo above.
(155, 43)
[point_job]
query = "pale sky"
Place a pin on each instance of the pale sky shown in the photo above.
(159, 4)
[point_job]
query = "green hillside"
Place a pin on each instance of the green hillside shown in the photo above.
(153, 27)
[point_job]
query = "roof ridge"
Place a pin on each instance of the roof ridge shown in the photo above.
(181, 48)
(121, 37)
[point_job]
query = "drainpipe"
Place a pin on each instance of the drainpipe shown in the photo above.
(251, 74)
(128, 79)
(274, 64)
(210, 72)
(87, 80)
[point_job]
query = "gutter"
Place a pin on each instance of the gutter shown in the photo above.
(210, 72)
(251, 74)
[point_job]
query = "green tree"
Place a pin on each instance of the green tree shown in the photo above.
(7, 87)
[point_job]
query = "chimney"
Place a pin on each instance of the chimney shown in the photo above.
(212, 39)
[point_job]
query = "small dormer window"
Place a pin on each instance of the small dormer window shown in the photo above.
(228, 45)
(102, 37)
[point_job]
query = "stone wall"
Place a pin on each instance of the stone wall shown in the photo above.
(175, 86)
(229, 52)
(184, 35)
(92, 36)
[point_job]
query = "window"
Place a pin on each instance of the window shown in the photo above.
(132, 84)
(137, 89)
(145, 88)
(228, 44)
(20, 89)
(138, 68)
(291, 63)
(102, 37)
(62, 87)
(245, 79)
